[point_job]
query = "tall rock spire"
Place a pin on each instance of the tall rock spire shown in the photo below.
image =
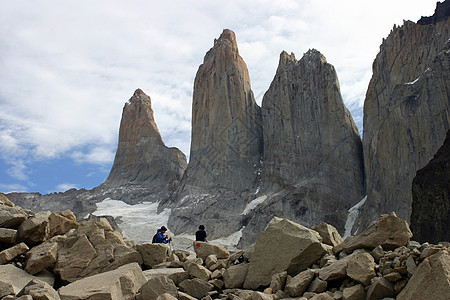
(142, 159)
(313, 167)
(406, 113)
(226, 144)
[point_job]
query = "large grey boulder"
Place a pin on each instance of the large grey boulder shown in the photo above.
(8, 236)
(41, 257)
(9, 254)
(234, 276)
(177, 275)
(121, 284)
(299, 283)
(157, 286)
(205, 249)
(329, 234)
(34, 230)
(431, 280)
(39, 290)
(389, 231)
(61, 223)
(89, 250)
(15, 279)
(198, 271)
(11, 217)
(196, 287)
(283, 246)
(153, 254)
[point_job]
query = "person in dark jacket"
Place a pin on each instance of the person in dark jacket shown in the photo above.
(200, 235)
(161, 237)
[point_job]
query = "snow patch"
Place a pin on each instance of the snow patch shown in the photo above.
(254, 203)
(230, 242)
(412, 82)
(353, 213)
(139, 221)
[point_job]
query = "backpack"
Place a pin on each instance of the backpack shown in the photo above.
(154, 239)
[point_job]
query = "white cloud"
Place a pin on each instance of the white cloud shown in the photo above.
(68, 67)
(64, 187)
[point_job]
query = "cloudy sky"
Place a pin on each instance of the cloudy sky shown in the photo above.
(68, 67)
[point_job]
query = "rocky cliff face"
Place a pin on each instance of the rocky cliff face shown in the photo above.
(313, 168)
(430, 214)
(226, 145)
(406, 115)
(144, 168)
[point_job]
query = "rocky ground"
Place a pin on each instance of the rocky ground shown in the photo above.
(49, 255)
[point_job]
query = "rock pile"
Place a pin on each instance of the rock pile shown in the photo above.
(89, 260)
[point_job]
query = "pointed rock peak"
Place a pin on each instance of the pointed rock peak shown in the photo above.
(139, 96)
(227, 36)
(285, 57)
(314, 55)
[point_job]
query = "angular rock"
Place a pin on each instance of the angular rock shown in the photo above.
(153, 254)
(7, 236)
(322, 296)
(11, 217)
(234, 276)
(196, 287)
(260, 296)
(389, 231)
(39, 290)
(406, 115)
(204, 249)
(329, 234)
(361, 267)
(431, 280)
(86, 252)
(143, 162)
(10, 253)
(198, 271)
(59, 224)
(411, 266)
(166, 296)
(336, 270)
(14, 278)
(122, 283)
(5, 201)
(278, 281)
(356, 292)
(283, 246)
(317, 286)
(210, 260)
(35, 229)
(298, 284)
(226, 145)
(157, 286)
(218, 284)
(379, 289)
(377, 253)
(41, 257)
(184, 296)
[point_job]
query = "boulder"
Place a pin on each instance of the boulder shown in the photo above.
(317, 286)
(356, 292)
(198, 271)
(322, 296)
(205, 249)
(9, 254)
(218, 284)
(34, 230)
(59, 224)
(166, 296)
(329, 234)
(431, 280)
(234, 276)
(336, 270)
(7, 236)
(11, 217)
(87, 252)
(380, 288)
(41, 257)
(5, 201)
(260, 296)
(184, 296)
(68, 215)
(6, 289)
(361, 267)
(389, 231)
(210, 260)
(153, 254)
(122, 283)
(278, 281)
(282, 246)
(39, 290)
(13, 278)
(156, 287)
(299, 283)
(196, 287)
